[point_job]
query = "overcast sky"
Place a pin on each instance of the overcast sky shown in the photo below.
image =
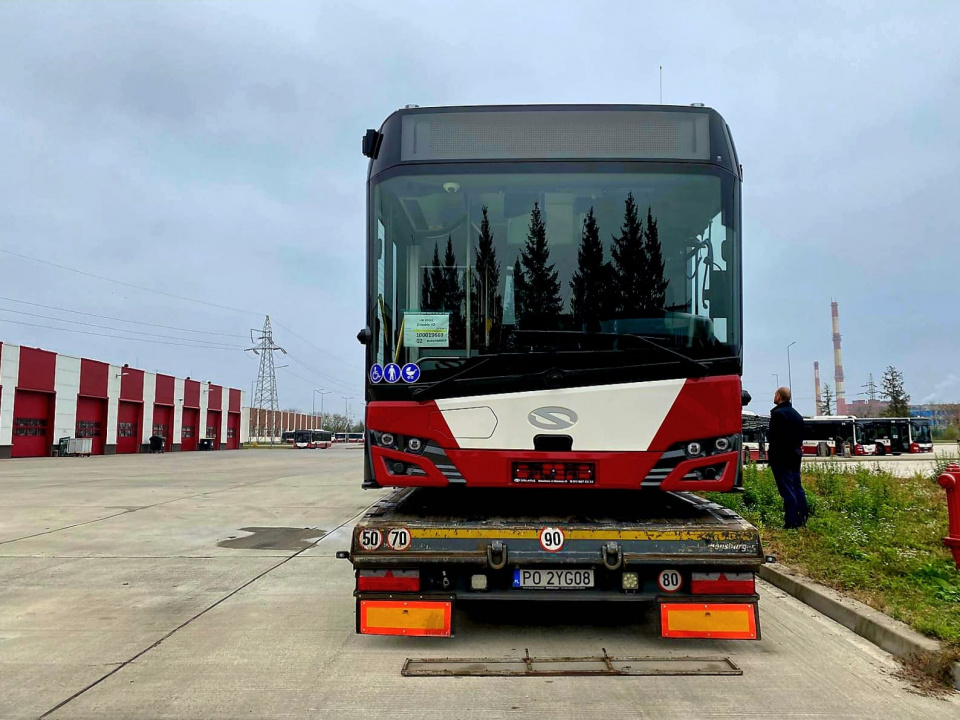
(212, 151)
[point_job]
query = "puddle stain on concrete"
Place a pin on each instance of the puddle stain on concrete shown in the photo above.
(273, 538)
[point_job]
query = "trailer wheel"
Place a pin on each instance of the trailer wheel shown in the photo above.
(823, 450)
(881, 450)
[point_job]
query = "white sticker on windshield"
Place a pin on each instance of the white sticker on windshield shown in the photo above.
(426, 329)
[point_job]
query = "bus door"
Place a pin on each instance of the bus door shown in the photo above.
(899, 437)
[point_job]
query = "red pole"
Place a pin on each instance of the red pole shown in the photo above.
(950, 481)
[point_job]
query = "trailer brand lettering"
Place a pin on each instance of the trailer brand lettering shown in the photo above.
(551, 539)
(552, 418)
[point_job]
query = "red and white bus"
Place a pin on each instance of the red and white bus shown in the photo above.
(509, 342)
(900, 435)
(826, 435)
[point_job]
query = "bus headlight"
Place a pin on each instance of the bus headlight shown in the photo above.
(694, 449)
(722, 444)
(414, 445)
(387, 439)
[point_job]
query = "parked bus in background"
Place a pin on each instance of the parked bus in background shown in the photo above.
(827, 435)
(756, 429)
(310, 439)
(287, 436)
(900, 435)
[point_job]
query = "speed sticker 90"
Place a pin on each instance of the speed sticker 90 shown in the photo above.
(551, 539)
(369, 539)
(398, 538)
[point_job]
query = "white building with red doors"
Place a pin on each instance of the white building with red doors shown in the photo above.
(45, 396)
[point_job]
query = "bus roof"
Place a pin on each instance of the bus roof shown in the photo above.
(551, 132)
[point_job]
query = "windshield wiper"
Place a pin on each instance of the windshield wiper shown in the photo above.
(428, 391)
(616, 338)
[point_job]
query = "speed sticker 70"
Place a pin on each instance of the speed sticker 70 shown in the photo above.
(398, 539)
(369, 539)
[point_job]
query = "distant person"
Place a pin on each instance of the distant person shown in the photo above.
(785, 450)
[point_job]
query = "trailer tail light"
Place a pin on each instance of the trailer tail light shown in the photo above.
(559, 472)
(727, 621)
(388, 580)
(723, 583)
(396, 617)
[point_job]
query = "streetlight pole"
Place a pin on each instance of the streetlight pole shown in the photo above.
(322, 393)
(789, 373)
(346, 412)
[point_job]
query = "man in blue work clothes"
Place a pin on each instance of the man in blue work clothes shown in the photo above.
(785, 442)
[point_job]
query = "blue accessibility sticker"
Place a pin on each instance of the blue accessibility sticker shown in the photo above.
(410, 373)
(376, 373)
(392, 372)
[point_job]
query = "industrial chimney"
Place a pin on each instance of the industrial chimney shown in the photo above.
(816, 382)
(838, 360)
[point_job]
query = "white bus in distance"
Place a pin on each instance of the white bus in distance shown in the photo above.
(894, 436)
(826, 435)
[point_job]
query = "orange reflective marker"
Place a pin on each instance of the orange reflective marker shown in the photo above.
(727, 621)
(400, 617)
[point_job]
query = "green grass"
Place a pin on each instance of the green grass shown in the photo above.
(871, 535)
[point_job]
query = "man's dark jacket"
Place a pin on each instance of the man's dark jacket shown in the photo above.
(786, 437)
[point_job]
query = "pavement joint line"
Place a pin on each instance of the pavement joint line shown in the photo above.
(891, 635)
(182, 625)
(145, 507)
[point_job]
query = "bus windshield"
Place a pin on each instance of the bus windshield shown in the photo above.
(920, 432)
(555, 259)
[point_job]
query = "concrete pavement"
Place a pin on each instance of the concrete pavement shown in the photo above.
(128, 590)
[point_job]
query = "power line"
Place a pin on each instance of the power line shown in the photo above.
(116, 319)
(134, 332)
(310, 382)
(120, 337)
(316, 347)
(327, 378)
(126, 284)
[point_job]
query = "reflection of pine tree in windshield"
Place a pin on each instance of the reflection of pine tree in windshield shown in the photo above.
(538, 285)
(486, 300)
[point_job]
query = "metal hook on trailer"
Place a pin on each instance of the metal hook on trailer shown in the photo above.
(499, 549)
(611, 549)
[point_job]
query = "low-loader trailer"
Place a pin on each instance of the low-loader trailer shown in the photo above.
(418, 552)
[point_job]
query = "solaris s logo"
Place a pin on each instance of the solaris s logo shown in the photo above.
(552, 418)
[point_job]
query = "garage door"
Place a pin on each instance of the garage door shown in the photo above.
(213, 427)
(32, 424)
(163, 424)
(128, 428)
(92, 422)
(189, 431)
(233, 431)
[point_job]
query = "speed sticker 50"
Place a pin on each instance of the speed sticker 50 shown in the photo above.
(398, 539)
(369, 539)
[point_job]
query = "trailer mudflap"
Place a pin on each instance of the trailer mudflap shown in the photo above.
(412, 616)
(721, 620)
